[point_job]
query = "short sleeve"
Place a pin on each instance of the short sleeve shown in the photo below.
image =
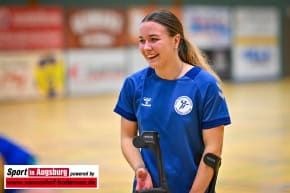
(125, 103)
(214, 110)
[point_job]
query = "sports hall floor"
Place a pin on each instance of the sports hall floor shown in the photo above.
(256, 156)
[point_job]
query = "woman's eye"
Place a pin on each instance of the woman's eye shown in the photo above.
(153, 39)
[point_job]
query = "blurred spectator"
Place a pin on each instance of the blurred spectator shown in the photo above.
(13, 154)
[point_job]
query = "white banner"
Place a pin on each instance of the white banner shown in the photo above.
(208, 27)
(92, 71)
(256, 63)
(34, 74)
(136, 60)
(256, 53)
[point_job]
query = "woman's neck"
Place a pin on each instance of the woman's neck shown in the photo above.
(172, 71)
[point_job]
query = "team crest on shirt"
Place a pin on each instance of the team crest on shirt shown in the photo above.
(183, 105)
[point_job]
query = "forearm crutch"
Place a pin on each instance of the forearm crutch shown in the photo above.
(214, 162)
(150, 140)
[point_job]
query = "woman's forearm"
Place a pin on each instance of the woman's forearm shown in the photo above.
(213, 140)
(202, 179)
(131, 153)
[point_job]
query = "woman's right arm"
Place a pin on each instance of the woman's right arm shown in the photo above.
(130, 152)
(133, 155)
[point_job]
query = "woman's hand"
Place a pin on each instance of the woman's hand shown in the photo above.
(143, 178)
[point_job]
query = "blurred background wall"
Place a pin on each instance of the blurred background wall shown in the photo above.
(67, 48)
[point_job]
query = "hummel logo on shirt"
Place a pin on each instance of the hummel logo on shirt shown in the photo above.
(146, 102)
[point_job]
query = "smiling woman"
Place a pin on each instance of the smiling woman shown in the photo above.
(164, 46)
(179, 97)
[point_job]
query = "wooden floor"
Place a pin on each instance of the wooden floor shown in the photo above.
(256, 156)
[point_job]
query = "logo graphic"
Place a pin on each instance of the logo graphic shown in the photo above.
(146, 102)
(51, 177)
(183, 105)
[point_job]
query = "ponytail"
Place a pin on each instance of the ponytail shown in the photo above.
(187, 52)
(191, 54)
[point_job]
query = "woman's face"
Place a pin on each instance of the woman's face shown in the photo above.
(155, 44)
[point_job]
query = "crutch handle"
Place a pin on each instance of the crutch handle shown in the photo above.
(150, 140)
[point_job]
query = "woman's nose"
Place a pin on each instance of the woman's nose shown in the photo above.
(147, 45)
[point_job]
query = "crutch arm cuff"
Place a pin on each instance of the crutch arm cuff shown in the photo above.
(212, 161)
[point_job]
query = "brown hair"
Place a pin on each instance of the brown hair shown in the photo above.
(187, 52)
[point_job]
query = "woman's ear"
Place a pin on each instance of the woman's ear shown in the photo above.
(176, 40)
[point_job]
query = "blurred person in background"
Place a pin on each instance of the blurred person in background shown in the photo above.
(178, 96)
(14, 154)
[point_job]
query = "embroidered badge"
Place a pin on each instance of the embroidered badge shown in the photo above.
(183, 105)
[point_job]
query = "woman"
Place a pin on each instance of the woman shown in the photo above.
(178, 96)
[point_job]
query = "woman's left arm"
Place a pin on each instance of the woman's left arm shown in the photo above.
(213, 141)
